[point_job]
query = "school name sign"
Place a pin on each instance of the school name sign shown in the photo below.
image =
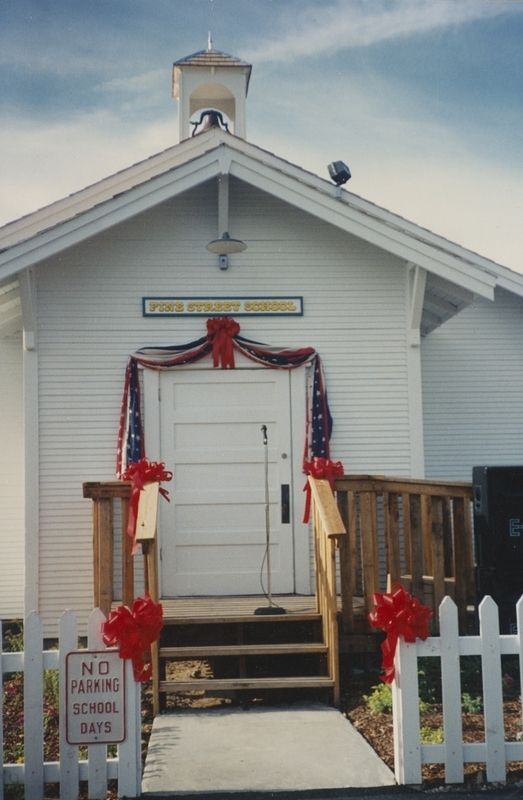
(95, 697)
(221, 306)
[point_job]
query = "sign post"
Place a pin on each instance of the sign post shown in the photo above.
(95, 697)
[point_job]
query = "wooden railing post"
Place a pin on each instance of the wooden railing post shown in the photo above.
(103, 494)
(127, 558)
(103, 550)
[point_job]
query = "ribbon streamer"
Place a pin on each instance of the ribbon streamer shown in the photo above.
(319, 468)
(140, 473)
(398, 614)
(133, 632)
(221, 332)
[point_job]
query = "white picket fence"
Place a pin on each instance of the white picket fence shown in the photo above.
(97, 769)
(409, 753)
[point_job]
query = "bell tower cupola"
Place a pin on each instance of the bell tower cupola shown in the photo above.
(211, 80)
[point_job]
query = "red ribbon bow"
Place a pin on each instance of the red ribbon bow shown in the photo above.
(398, 614)
(221, 332)
(319, 468)
(140, 473)
(134, 632)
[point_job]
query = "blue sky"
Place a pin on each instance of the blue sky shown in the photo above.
(423, 99)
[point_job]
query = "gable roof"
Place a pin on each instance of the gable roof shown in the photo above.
(211, 58)
(455, 275)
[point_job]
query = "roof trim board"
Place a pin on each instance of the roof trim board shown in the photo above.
(121, 196)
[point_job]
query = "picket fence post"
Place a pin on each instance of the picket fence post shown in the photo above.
(130, 751)
(451, 691)
(69, 769)
(405, 715)
(492, 690)
(33, 708)
(97, 753)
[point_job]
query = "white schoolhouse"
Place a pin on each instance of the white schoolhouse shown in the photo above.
(420, 342)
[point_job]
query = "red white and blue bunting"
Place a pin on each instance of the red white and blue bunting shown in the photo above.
(222, 339)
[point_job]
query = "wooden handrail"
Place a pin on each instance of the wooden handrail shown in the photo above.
(423, 530)
(328, 532)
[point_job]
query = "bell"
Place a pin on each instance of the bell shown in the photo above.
(209, 119)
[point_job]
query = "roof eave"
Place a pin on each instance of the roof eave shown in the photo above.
(197, 159)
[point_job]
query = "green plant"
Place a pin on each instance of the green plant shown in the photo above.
(424, 708)
(429, 679)
(431, 735)
(380, 701)
(14, 791)
(471, 678)
(51, 687)
(471, 705)
(14, 638)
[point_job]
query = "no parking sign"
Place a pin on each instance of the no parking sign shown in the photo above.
(95, 697)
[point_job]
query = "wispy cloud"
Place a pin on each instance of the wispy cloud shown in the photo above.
(136, 84)
(345, 24)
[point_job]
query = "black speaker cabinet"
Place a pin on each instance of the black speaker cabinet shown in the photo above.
(498, 517)
(505, 587)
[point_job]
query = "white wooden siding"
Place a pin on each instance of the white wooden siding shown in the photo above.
(11, 479)
(472, 374)
(89, 318)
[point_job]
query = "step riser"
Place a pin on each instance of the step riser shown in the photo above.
(241, 650)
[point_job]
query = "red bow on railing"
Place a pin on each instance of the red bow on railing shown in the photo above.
(140, 473)
(319, 468)
(398, 614)
(133, 632)
(221, 331)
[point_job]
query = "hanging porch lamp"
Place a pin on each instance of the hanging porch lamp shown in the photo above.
(225, 246)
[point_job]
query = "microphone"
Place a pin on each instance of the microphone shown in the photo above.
(264, 431)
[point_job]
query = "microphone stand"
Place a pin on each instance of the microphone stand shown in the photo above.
(271, 608)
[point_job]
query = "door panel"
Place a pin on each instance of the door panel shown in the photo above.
(213, 532)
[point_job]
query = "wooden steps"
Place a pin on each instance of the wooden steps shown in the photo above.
(244, 653)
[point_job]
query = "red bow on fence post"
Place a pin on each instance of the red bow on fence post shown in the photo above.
(133, 632)
(140, 473)
(319, 468)
(398, 614)
(221, 332)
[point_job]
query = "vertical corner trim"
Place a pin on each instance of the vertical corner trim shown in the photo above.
(27, 284)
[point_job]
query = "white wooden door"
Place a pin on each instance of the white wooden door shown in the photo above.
(213, 532)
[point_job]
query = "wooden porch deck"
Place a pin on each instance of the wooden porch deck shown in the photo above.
(195, 609)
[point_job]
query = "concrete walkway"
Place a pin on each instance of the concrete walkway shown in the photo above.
(263, 749)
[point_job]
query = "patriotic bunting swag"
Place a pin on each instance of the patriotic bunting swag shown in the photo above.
(222, 339)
